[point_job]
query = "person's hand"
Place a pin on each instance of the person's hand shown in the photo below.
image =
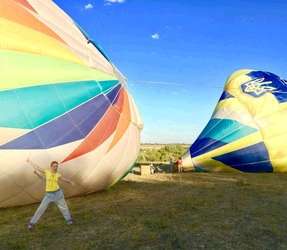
(35, 172)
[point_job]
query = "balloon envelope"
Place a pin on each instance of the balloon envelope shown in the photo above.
(61, 99)
(247, 131)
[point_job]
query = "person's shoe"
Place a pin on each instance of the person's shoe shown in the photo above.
(30, 226)
(70, 222)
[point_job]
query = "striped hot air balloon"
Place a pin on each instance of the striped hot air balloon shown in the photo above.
(61, 99)
(247, 131)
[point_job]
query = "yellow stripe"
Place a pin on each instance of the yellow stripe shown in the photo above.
(279, 165)
(238, 75)
(215, 166)
(21, 38)
(23, 69)
(276, 145)
(231, 104)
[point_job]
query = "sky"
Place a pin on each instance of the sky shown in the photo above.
(177, 54)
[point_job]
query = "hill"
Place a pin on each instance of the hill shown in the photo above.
(192, 210)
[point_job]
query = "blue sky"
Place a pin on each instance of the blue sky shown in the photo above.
(177, 54)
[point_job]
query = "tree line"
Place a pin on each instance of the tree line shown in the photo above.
(165, 153)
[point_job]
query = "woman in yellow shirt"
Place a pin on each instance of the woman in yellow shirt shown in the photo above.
(53, 192)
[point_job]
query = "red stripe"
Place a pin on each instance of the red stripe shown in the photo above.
(124, 121)
(26, 4)
(101, 132)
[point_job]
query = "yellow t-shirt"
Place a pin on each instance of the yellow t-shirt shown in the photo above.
(52, 181)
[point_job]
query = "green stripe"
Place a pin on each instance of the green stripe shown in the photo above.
(27, 108)
(23, 69)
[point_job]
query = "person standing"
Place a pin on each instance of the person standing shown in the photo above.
(179, 166)
(53, 192)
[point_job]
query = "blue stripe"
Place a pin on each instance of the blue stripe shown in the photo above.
(270, 80)
(27, 108)
(251, 159)
(70, 127)
(202, 146)
(218, 133)
(226, 130)
(225, 95)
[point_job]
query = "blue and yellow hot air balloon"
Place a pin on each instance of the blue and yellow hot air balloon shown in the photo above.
(247, 131)
(62, 99)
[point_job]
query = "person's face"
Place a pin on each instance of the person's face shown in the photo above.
(55, 166)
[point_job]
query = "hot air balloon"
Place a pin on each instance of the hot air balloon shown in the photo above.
(61, 99)
(247, 131)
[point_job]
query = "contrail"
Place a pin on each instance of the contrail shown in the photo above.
(171, 83)
(156, 82)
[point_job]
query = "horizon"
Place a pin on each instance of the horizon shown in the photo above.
(178, 54)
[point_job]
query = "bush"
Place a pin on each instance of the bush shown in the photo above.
(161, 154)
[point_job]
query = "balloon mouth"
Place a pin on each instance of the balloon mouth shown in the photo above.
(187, 161)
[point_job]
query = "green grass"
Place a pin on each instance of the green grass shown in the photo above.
(191, 211)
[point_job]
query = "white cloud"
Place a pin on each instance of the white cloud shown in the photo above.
(155, 36)
(89, 6)
(110, 2)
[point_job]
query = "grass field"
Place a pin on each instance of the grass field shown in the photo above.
(188, 211)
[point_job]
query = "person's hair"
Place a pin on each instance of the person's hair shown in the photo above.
(53, 162)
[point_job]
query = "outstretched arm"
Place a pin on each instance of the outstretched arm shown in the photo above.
(66, 180)
(39, 175)
(36, 167)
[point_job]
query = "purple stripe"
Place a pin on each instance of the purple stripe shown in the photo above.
(70, 127)
(113, 95)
